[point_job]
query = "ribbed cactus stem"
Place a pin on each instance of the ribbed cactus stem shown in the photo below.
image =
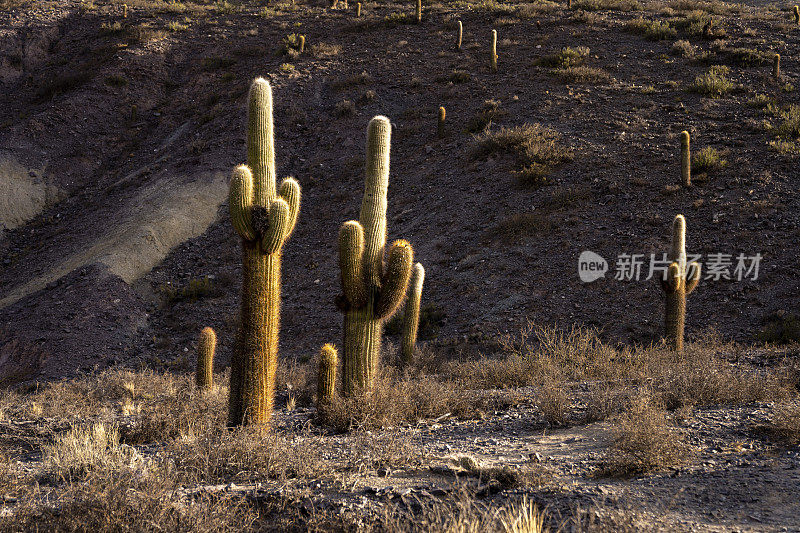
(419, 11)
(679, 282)
(776, 66)
(677, 252)
(459, 36)
(493, 52)
(206, 345)
(371, 291)
(411, 315)
(264, 221)
(440, 125)
(358, 9)
(686, 160)
(326, 377)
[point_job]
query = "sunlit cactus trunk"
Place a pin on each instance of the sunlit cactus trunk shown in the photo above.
(264, 218)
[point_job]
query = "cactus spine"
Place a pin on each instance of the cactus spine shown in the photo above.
(440, 125)
(205, 359)
(371, 290)
(326, 377)
(678, 284)
(460, 34)
(358, 9)
(264, 218)
(686, 160)
(493, 52)
(776, 66)
(411, 314)
(419, 11)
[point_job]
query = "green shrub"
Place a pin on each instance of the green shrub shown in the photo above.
(653, 30)
(714, 83)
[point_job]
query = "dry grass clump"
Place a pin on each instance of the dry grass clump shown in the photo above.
(682, 48)
(708, 160)
(464, 513)
(607, 5)
(643, 442)
(489, 111)
(582, 74)
(785, 424)
(567, 57)
(546, 357)
(714, 83)
(396, 400)
(537, 150)
(789, 128)
(653, 30)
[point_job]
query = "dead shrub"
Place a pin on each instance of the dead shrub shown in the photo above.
(643, 442)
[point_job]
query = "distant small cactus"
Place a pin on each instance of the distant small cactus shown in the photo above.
(776, 66)
(419, 11)
(205, 359)
(679, 283)
(301, 45)
(326, 377)
(411, 314)
(686, 160)
(493, 52)
(796, 15)
(358, 9)
(440, 125)
(124, 11)
(460, 34)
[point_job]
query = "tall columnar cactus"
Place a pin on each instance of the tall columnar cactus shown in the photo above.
(686, 160)
(206, 345)
(419, 11)
(411, 314)
(459, 35)
(776, 66)
(679, 283)
(440, 125)
(326, 377)
(371, 290)
(493, 52)
(264, 216)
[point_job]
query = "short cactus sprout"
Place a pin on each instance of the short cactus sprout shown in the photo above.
(419, 11)
(776, 66)
(124, 11)
(440, 125)
(493, 52)
(301, 47)
(206, 345)
(681, 279)
(326, 378)
(686, 160)
(796, 15)
(358, 9)
(459, 35)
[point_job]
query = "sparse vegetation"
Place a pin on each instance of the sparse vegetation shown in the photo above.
(537, 150)
(654, 30)
(714, 83)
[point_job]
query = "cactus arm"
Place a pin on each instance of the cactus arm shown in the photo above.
(693, 279)
(204, 377)
(351, 253)
(395, 280)
(260, 142)
(373, 206)
(291, 192)
(240, 202)
(278, 227)
(411, 314)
